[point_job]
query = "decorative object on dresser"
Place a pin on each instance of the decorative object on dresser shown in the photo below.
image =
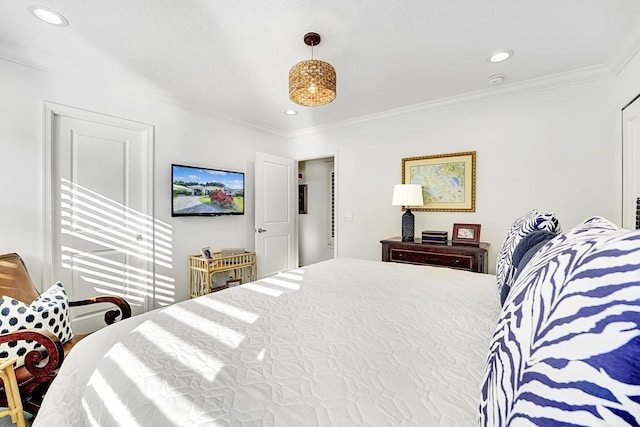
(466, 234)
(434, 236)
(448, 181)
(463, 257)
(407, 195)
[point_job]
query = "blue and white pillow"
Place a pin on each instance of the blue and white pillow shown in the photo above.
(523, 253)
(49, 311)
(566, 349)
(521, 227)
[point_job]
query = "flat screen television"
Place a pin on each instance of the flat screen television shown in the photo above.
(206, 192)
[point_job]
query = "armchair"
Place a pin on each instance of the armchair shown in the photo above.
(42, 364)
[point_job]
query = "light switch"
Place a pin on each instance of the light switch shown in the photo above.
(347, 216)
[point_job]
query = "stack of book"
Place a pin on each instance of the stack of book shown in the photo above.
(432, 236)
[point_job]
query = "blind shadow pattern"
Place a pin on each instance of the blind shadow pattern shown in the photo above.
(115, 249)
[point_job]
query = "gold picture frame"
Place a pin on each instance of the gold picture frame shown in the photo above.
(448, 181)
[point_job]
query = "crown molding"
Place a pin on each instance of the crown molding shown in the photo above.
(617, 61)
(626, 50)
(506, 90)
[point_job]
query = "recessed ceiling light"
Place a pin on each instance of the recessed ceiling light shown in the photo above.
(291, 112)
(503, 55)
(48, 15)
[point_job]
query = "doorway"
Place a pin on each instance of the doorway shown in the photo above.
(275, 214)
(316, 210)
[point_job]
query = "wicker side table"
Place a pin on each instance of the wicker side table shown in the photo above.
(14, 402)
(241, 266)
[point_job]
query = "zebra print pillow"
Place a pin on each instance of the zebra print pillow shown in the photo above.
(566, 348)
(522, 226)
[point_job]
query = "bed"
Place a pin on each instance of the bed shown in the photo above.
(353, 342)
(342, 342)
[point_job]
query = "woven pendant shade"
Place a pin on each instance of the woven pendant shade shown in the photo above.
(312, 82)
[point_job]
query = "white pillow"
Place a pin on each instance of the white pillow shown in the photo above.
(49, 311)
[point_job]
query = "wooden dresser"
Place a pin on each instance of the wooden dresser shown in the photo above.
(464, 257)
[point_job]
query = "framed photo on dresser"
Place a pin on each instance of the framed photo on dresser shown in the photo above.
(466, 234)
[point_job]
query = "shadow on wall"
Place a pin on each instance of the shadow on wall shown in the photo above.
(115, 250)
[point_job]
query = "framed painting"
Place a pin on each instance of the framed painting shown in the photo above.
(448, 181)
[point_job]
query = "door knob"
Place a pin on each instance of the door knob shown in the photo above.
(261, 230)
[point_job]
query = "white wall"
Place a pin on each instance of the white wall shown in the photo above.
(313, 227)
(182, 136)
(555, 150)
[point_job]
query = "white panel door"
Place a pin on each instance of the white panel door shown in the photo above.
(101, 210)
(276, 207)
(630, 163)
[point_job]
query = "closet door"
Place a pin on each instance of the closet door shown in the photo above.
(630, 163)
(101, 209)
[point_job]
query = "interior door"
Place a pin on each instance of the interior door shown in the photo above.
(630, 163)
(275, 218)
(101, 203)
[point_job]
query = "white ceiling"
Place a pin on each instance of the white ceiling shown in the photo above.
(232, 57)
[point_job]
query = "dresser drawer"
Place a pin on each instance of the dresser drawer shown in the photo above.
(464, 262)
(463, 257)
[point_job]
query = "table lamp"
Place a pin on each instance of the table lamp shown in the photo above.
(407, 195)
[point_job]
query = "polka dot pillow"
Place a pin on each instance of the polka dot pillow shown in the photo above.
(49, 311)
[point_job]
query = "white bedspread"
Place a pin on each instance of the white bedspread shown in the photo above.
(343, 342)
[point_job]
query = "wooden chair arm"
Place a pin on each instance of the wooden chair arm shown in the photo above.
(37, 362)
(111, 316)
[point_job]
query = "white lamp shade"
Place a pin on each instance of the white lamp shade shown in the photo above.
(407, 195)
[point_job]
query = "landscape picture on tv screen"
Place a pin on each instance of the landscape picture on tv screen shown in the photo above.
(206, 192)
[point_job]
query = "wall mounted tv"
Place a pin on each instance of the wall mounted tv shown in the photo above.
(206, 192)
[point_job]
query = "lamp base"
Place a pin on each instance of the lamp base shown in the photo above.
(408, 231)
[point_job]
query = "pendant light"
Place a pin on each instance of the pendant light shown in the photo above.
(312, 82)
